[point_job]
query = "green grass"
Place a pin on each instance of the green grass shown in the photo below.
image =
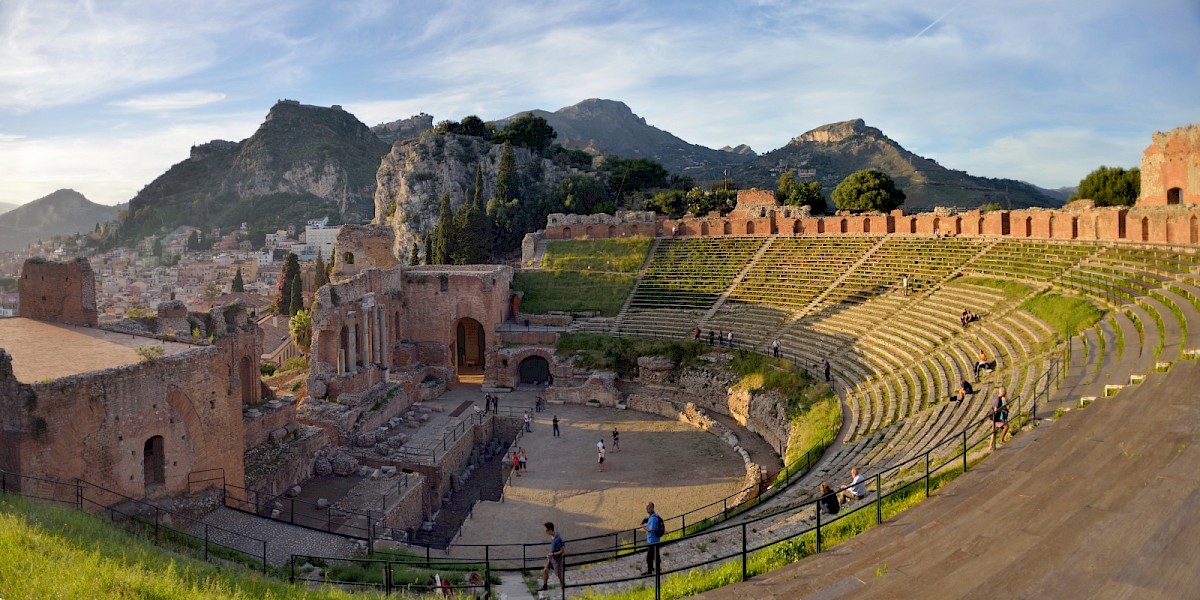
(53, 552)
(1011, 289)
(1162, 330)
(812, 431)
(695, 581)
(760, 372)
(619, 255)
(1067, 315)
(600, 352)
(1120, 335)
(572, 291)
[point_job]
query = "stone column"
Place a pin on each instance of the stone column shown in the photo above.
(379, 335)
(352, 351)
(385, 352)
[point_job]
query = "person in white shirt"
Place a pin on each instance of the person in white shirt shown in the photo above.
(856, 489)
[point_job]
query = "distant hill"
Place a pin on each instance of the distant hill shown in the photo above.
(60, 213)
(403, 129)
(303, 162)
(5, 207)
(831, 152)
(603, 127)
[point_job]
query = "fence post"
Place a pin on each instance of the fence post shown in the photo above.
(387, 577)
(683, 528)
(817, 506)
(156, 527)
(206, 541)
(292, 511)
(487, 571)
(264, 543)
(743, 551)
(965, 449)
(657, 571)
(878, 498)
(292, 569)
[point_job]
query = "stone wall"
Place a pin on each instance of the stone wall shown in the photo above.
(275, 466)
(61, 292)
(1171, 168)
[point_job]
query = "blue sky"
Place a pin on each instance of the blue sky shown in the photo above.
(104, 96)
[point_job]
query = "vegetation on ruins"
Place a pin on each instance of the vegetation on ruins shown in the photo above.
(582, 275)
(868, 190)
(301, 328)
(52, 552)
(1110, 186)
(1067, 315)
(601, 352)
(150, 352)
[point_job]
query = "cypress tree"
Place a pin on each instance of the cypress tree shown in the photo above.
(238, 285)
(321, 276)
(297, 300)
(428, 249)
(443, 234)
(414, 255)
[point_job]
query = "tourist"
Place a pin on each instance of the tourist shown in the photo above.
(999, 417)
(965, 386)
(616, 440)
(729, 338)
(475, 587)
(826, 367)
(967, 317)
(539, 403)
(775, 348)
(516, 463)
(655, 528)
(528, 422)
(555, 426)
(554, 560)
(710, 337)
(981, 363)
(696, 333)
(721, 338)
(600, 456)
(904, 284)
(524, 464)
(856, 489)
(959, 396)
(828, 500)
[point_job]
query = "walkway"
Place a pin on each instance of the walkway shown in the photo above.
(1100, 504)
(283, 539)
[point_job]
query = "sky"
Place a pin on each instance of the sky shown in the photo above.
(103, 96)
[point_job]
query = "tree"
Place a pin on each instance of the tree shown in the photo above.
(443, 234)
(800, 193)
(528, 131)
(428, 249)
(296, 303)
(506, 176)
(474, 126)
(1110, 186)
(157, 249)
(238, 284)
(300, 327)
(193, 242)
(867, 190)
(474, 237)
(283, 291)
(414, 255)
(321, 273)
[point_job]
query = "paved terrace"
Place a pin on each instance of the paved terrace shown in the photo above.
(1100, 504)
(52, 350)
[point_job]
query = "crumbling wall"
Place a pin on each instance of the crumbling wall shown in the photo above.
(61, 292)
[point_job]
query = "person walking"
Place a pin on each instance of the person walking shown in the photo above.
(528, 422)
(600, 456)
(516, 463)
(696, 333)
(616, 440)
(654, 528)
(999, 417)
(775, 348)
(554, 560)
(826, 367)
(729, 338)
(555, 422)
(711, 335)
(524, 464)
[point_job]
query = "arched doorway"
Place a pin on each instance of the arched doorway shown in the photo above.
(1174, 195)
(866, 225)
(1145, 229)
(704, 229)
(469, 344)
(728, 229)
(534, 369)
(566, 233)
(1193, 231)
(750, 228)
(154, 464)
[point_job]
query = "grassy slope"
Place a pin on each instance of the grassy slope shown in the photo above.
(50, 552)
(583, 275)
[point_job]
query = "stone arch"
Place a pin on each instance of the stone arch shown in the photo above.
(1050, 226)
(1174, 196)
(154, 461)
(348, 258)
(842, 226)
(248, 379)
(749, 227)
(1027, 226)
(728, 229)
(704, 228)
(1145, 229)
(612, 231)
(866, 225)
(797, 226)
(522, 357)
(979, 226)
(587, 231)
(533, 369)
(912, 225)
(470, 341)
(566, 233)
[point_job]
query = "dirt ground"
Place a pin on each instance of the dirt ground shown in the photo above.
(672, 464)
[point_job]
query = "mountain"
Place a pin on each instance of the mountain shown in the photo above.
(403, 129)
(603, 127)
(303, 162)
(5, 207)
(831, 152)
(63, 212)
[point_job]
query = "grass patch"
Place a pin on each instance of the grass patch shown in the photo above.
(619, 255)
(1162, 330)
(1066, 315)
(1011, 289)
(695, 581)
(762, 373)
(1120, 335)
(572, 291)
(53, 552)
(601, 352)
(812, 431)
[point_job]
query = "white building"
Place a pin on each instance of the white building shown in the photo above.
(320, 239)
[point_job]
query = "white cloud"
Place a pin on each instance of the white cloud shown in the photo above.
(169, 102)
(1053, 157)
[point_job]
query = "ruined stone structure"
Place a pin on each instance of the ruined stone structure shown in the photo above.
(1171, 168)
(1167, 212)
(150, 429)
(359, 248)
(58, 292)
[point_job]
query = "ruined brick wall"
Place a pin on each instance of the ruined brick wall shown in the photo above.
(439, 299)
(1171, 168)
(356, 324)
(95, 426)
(62, 292)
(359, 248)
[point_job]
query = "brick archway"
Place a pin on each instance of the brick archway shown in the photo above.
(470, 342)
(516, 360)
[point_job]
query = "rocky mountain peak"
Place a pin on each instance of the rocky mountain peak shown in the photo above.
(836, 132)
(599, 109)
(403, 129)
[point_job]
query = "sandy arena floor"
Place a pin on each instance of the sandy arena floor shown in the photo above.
(672, 464)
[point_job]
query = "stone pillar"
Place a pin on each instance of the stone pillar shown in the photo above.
(377, 332)
(352, 351)
(387, 337)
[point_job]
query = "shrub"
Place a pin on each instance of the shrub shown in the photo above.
(150, 353)
(267, 368)
(295, 363)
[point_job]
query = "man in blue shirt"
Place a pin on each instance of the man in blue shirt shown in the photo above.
(655, 528)
(554, 560)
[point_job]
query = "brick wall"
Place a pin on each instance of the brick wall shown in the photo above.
(62, 292)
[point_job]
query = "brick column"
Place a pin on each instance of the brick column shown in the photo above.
(352, 351)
